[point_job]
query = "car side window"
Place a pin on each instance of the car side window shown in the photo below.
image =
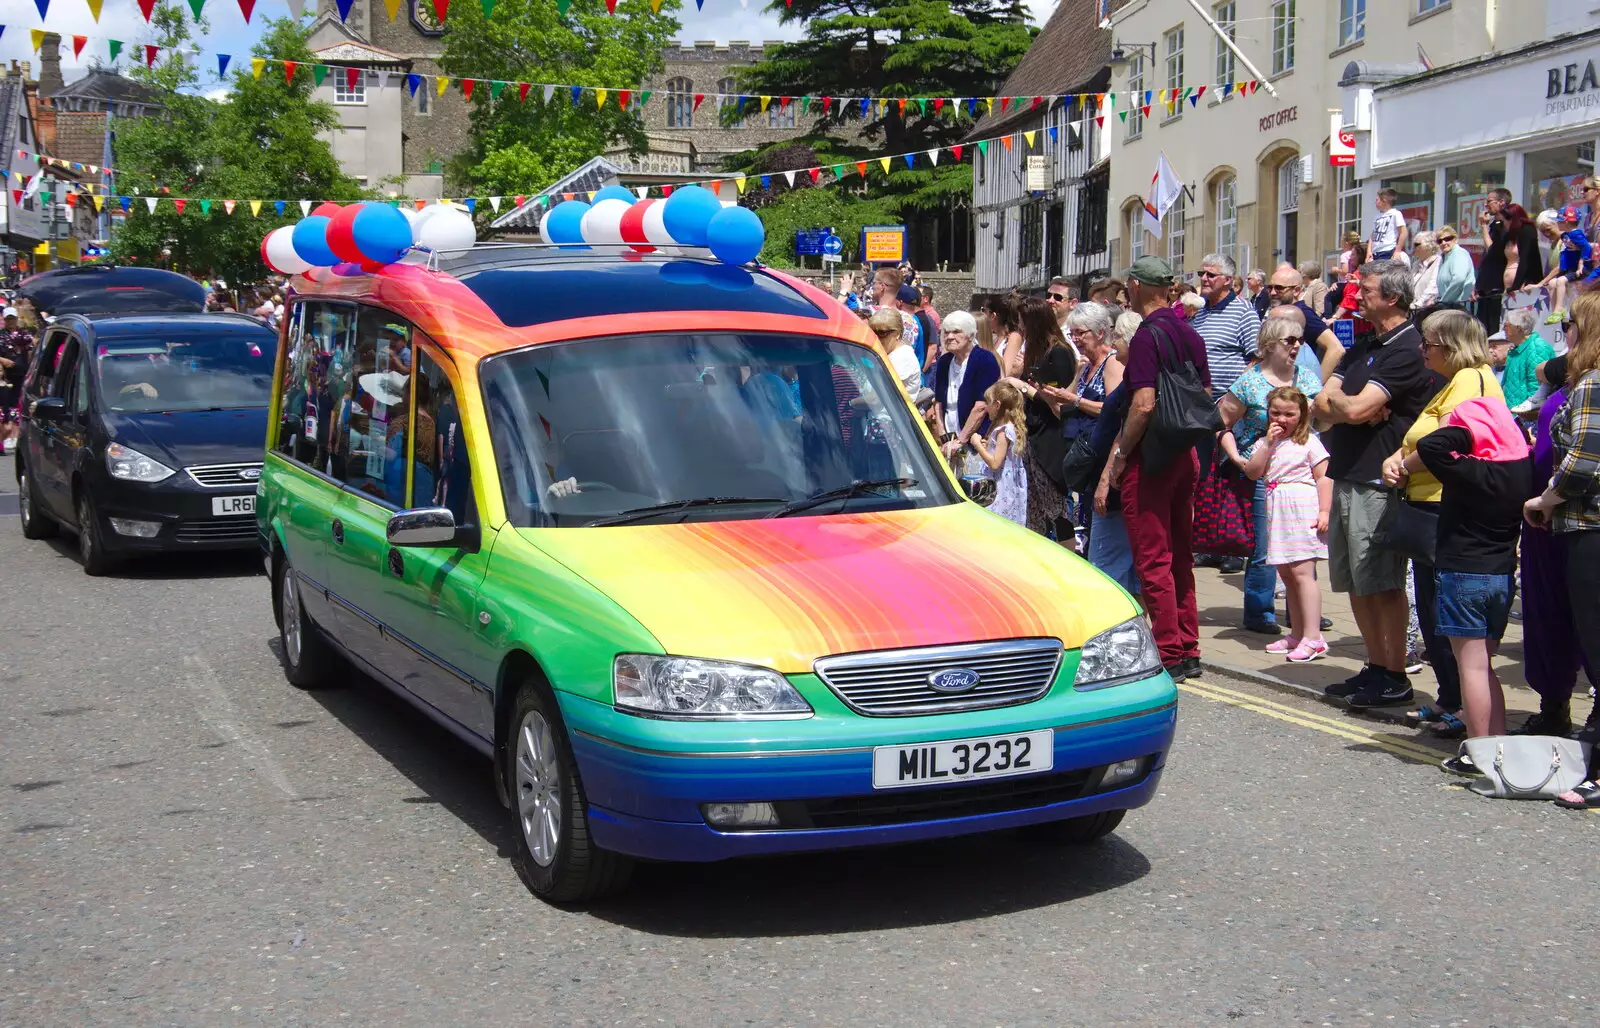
(51, 352)
(328, 338)
(376, 408)
(80, 387)
(442, 468)
(65, 359)
(292, 393)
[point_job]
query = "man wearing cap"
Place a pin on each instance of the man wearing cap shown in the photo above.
(16, 348)
(1157, 500)
(917, 330)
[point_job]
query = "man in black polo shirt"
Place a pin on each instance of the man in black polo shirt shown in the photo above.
(1374, 395)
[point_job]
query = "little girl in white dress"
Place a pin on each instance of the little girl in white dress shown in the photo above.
(1001, 451)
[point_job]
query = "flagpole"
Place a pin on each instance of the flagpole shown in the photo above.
(1231, 45)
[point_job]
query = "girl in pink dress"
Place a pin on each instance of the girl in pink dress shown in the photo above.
(1299, 497)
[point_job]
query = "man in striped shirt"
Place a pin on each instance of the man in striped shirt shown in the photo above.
(1229, 323)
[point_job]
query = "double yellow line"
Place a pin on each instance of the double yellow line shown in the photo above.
(1328, 725)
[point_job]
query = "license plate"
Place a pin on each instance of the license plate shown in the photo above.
(963, 760)
(222, 505)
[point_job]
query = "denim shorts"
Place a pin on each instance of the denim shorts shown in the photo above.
(1472, 606)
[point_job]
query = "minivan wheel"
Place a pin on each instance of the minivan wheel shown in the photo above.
(307, 657)
(91, 548)
(36, 524)
(1076, 831)
(555, 855)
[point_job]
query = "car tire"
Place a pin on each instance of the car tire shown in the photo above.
(308, 660)
(36, 524)
(1076, 831)
(91, 545)
(555, 855)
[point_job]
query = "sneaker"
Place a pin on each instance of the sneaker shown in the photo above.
(1558, 722)
(1555, 318)
(1178, 671)
(1462, 765)
(1414, 663)
(1352, 685)
(1590, 732)
(1327, 624)
(1263, 627)
(1426, 714)
(1307, 651)
(1385, 689)
(1283, 645)
(1191, 667)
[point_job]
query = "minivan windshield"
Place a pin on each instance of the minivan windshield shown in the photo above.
(180, 372)
(703, 426)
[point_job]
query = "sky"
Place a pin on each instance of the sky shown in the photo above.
(719, 20)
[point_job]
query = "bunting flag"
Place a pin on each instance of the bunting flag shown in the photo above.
(466, 88)
(318, 73)
(36, 39)
(150, 55)
(392, 8)
(222, 64)
(344, 9)
(257, 66)
(305, 208)
(1029, 137)
(278, 206)
(442, 85)
(288, 72)
(78, 43)
(195, 6)
(488, 9)
(146, 7)
(94, 10)
(229, 205)
(255, 208)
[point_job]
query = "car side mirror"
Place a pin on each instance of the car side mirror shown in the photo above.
(51, 408)
(422, 526)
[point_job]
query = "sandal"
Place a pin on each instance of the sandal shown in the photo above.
(1450, 726)
(1307, 651)
(1425, 714)
(1284, 645)
(1588, 797)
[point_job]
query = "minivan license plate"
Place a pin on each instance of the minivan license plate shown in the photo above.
(962, 760)
(222, 505)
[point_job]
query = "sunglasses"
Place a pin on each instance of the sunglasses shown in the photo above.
(1282, 289)
(1212, 274)
(1057, 296)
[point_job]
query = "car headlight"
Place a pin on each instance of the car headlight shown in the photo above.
(126, 463)
(685, 687)
(1125, 653)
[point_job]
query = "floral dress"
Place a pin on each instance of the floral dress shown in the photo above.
(1011, 481)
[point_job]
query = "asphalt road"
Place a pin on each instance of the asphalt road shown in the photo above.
(188, 840)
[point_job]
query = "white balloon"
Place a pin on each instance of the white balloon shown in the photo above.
(410, 215)
(655, 230)
(602, 223)
(281, 254)
(544, 226)
(449, 228)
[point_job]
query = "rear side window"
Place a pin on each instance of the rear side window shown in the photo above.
(370, 448)
(442, 475)
(318, 375)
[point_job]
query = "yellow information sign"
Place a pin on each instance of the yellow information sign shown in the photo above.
(884, 246)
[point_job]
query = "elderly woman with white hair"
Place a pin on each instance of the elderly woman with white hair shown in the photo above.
(964, 373)
(1526, 350)
(1099, 372)
(1425, 260)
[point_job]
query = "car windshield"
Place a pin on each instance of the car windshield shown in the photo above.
(704, 426)
(185, 373)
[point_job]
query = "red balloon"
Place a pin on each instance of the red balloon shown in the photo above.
(632, 225)
(326, 210)
(341, 234)
(264, 258)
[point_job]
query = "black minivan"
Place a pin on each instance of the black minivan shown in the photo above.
(143, 418)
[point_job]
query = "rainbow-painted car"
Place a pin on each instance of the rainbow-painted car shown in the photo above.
(663, 538)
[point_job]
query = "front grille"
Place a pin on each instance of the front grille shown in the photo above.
(216, 476)
(896, 683)
(905, 806)
(235, 528)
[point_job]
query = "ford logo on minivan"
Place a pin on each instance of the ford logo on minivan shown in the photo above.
(954, 679)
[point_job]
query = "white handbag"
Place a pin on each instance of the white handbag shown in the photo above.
(1525, 767)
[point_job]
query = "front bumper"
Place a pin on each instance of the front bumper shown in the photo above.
(646, 802)
(183, 509)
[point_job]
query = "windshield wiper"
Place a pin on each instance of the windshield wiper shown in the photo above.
(673, 506)
(845, 492)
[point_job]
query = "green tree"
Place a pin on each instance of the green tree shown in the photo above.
(260, 142)
(521, 146)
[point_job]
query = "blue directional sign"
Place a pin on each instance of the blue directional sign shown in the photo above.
(833, 245)
(808, 241)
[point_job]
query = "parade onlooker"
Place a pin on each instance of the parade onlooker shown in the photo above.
(1323, 350)
(1157, 496)
(1570, 247)
(1062, 296)
(1089, 327)
(1524, 264)
(1005, 310)
(1525, 351)
(16, 350)
(885, 324)
(1109, 549)
(1389, 234)
(1481, 456)
(1456, 276)
(1228, 324)
(1113, 292)
(929, 309)
(1292, 464)
(1491, 286)
(1314, 285)
(1244, 409)
(1455, 349)
(1255, 288)
(1375, 394)
(1425, 260)
(1002, 449)
(964, 373)
(1049, 367)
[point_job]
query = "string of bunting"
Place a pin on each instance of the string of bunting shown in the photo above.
(441, 8)
(861, 106)
(100, 195)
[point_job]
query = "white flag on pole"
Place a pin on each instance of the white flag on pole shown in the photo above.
(1165, 188)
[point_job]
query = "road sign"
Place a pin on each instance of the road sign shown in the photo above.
(832, 246)
(831, 258)
(883, 244)
(808, 242)
(1345, 331)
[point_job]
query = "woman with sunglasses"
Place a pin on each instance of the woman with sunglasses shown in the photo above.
(902, 356)
(1456, 276)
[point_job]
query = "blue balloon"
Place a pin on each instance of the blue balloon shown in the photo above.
(381, 233)
(615, 193)
(687, 212)
(735, 235)
(310, 239)
(566, 222)
(685, 273)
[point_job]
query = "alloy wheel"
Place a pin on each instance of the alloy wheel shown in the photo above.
(289, 603)
(86, 532)
(539, 788)
(25, 500)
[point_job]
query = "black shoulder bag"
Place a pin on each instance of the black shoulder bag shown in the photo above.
(1185, 413)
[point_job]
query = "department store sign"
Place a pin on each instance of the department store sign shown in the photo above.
(1571, 87)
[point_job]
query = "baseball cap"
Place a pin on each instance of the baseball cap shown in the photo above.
(908, 294)
(1568, 213)
(1498, 336)
(1152, 271)
(9, 312)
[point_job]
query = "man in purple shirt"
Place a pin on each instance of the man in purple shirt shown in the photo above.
(1158, 487)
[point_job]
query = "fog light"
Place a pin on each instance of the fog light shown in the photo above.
(137, 529)
(1121, 771)
(740, 815)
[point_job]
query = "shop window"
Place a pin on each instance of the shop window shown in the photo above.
(1466, 188)
(1553, 178)
(1352, 21)
(1225, 207)
(1415, 203)
(1173, 228)
(1348, 215)
(1135, 87)
(1226, 17)
(1283, 36)
(1174, 52)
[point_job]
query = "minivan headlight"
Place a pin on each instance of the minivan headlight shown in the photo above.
(1124, 653)
(686, 687)
(130, 465)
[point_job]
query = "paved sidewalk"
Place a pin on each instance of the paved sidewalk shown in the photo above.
(1227, 648)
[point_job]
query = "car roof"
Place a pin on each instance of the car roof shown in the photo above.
(110, 289)
(495, 298)
(112, 325)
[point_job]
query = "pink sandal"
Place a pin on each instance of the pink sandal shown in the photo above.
(1283, 645)
(1307, 651)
